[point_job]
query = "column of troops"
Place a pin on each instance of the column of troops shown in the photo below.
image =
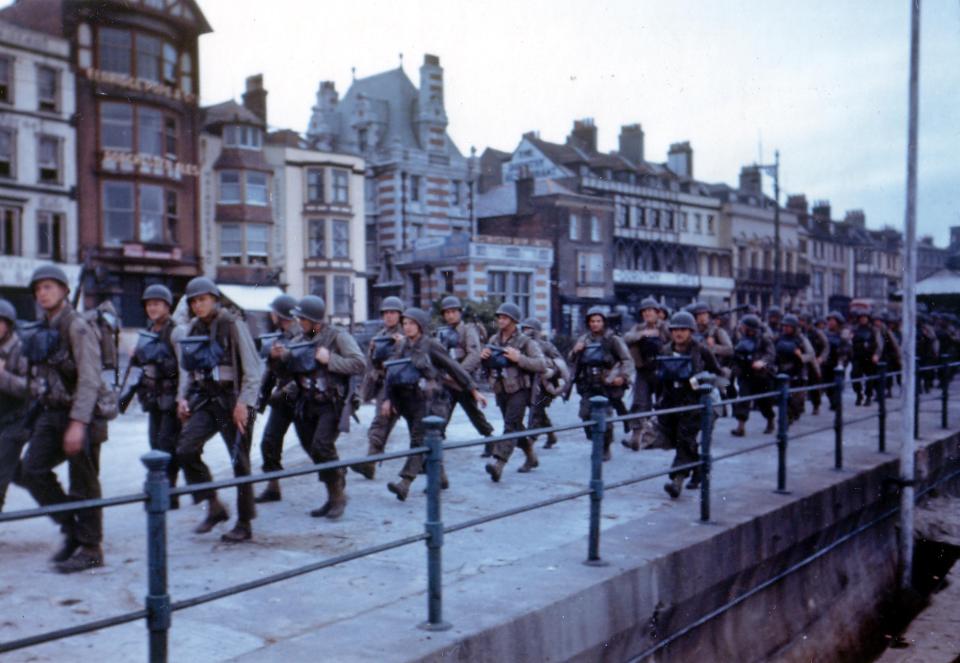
(207, 375)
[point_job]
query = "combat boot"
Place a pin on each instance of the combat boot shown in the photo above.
(531, 460)
(400, 488)
(740, 430)
(69, 547)
(859, 399)
(336, 499)
(770, 427)
(495, 469)
(271, 493)
(551, 441)
(241, 532)
(216, 513)
(867, 400)
(674, 487)
(368, 470)
(87, 557)
(444, 481)
(633, 442)
(487, 450)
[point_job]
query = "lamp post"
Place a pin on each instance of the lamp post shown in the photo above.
(774, 171)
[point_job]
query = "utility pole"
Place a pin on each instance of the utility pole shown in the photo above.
(907, 470)
(774, 170)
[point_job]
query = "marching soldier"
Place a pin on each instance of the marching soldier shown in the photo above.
(838, 352)
(867, 348)
(156, 390)
(602, 366)
(754, 365)
(891, 347)
(64, 360)
(14, 397)
(219, 381)
(552, 382)
(322, 361)
(774, 316)
(514, 360)
(381, 348)
(277, 390)
(682, 359)
(644, 342)
(928, 349)
(415, 389)
(794, 353)
(821, 350)
(462, 342)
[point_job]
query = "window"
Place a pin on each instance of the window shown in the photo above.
(414, 188)
(521, 292)
(149, 51)
(49, 236)
(8, 141)
(116, 126)
(256, 188)
(317, 284)
(6, 80)
(818, 284)
(243, 136)
(114, 50)
(497, 286)
(315, 185)
(150, 132)
(589, 268)
(341, 186)
(510, 287)
(47, 89)
(48, 159)
(186, 73)
(316, 240)
(341, 295)
(258, 243)
(341, 239)
(230, 187)
(9, 231)
(836, 287)
(594, 229)
(118, 211)
(710, 229)
(697, 223)
(170, 136)
(172, 216)
(231, 244)
(641, 217)
(654, 218)
(684, 222)
(362, 139)
(455, 193)
(169, 65)
(668, 220)
(151, 213)
(574, 227)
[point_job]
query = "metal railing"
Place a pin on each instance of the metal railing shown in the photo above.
(158, 607)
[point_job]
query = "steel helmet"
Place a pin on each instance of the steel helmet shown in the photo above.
(157, 291)
(391, 303)
(312, 308)
(836, 315)
(450, 302)
(532, 323)
(7, 312)
(682, 320)
(283, 306)
(790, 320)
(596, 310)
(512, 311)
(751, 321)
(649, 302)
(201, 285)
(421, 317)
(49, 272)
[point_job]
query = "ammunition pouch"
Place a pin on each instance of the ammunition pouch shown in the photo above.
(497, 359)
(382, 349)
(200, 353)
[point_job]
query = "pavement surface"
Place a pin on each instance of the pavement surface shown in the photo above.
(336, 613)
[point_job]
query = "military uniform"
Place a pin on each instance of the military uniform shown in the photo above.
(463, 345)
(928, 351)
(866, 343)
(381, 349)
(753, 346)
(821, 350)
(551, 383)
(644, 342)
(838, 353)
(14, 401)
(794, 353)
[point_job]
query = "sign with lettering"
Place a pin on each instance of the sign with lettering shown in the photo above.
(148, 164)
(139, 85)
(528, 160)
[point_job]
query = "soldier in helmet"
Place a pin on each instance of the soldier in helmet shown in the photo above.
(64, 359)
(513, 360)
(414, 389)
(381, 348)
(14, 397)
(277, 390)
(928, 350)
(681, 360)
(754, 366)
(867, 348)
(552, 381)
(774, 316)
(821, 351)
(794, 354)
(838, 351)
(156, 354)
(322, 361)
(644, 342)
(602, 367)
(891, 347)
(220, 378)
(462, 343)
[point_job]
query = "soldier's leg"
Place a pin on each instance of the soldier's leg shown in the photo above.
(44, 453)
(84, 472)
(271, 444)
(473, 411)
(164, 430)
(513, 407)
(377, 434)
(502, 450)
(856, 372)
(686, 432)
(13, 436)
(238, 446)
(200, 427)
(741, 409)
(413, 411)
(323, 449)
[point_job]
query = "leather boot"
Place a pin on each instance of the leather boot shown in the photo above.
(216, 513)
(487, 450)
(87, 557)
(444, 481)
(632, 442)
(336, 499)
(400, 488)
(368, 470)
(551, 441)
(770, 427)
(740, 430)
(241, 532)
(674, 487)
(66, 550)
(271, 493)
(495, 469)
(859, 399)
(531, 460)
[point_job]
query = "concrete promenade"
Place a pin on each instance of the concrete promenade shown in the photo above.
(368, 609)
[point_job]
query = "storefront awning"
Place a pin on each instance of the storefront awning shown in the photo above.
(251, 297)
(943, 282)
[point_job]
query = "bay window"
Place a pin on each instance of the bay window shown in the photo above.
(256, 188)
(114, 49)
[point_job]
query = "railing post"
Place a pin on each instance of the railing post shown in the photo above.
(706, 435)
(157, 488)
(598, 414)
(783, 386)
(882, 409)
(838, 376)
(916, 401)
(944, 393)
(434, 526)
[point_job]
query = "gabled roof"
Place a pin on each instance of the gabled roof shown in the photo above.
(229, 111)
(501, 200)
(47, 15)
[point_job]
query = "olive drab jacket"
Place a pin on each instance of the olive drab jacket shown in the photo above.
(645, 341)
(346, 358)
(517, 376)
(373, 377)
(717, 340)
(14, 394)
(617, 364)
(434, 363)
(679, 391)
(466, 351)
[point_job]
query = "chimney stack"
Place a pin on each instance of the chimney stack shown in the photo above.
(584, 135)
(631, 143)
(751, 180)
(821, 210)
(255, 98)
(855, 217)
(524, 186)
(798, 203)
(680, 159)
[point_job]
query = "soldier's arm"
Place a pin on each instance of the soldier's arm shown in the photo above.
(723, 347)
(86, 354)
(346, 357)
(183, 379)
(709, 361)
(471, 361)
(250, 365)
(634, 335)
(531, 358)
(625, 365)
(806, 350)
(443, 361)
(878, 339)
(825, 344)
(13, 380)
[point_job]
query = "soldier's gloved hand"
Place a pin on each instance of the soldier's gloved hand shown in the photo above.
(512, 354)
(479, 398)
(323, 355)
(74, 437)
(183, 409)
(240, 417)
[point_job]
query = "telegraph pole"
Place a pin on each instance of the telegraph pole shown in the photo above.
(907, 470)
(776, 229)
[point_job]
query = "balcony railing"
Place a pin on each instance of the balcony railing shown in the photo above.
(765, 277)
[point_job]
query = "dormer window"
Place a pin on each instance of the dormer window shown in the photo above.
(242, 136)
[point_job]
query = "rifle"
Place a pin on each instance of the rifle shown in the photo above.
(534, 399)
(735, 309)
(348, 407)
(574, 374)
(267, 383)
(127, 395)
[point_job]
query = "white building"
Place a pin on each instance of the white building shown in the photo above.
(38, 209)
